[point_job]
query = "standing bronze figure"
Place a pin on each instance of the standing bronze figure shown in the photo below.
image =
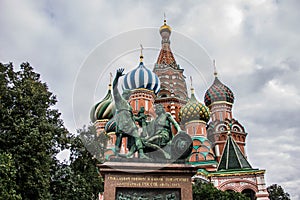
(125, 120)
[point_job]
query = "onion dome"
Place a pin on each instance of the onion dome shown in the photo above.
(165, 27)
(165, 32)
(111, 126)
(105, 109)
(194, 110)
(141, 77)
(218, 92)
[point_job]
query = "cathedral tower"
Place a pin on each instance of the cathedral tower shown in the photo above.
(219, 99)
(173, 92)
(194, 117)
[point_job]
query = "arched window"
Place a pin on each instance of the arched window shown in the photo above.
(249, 193)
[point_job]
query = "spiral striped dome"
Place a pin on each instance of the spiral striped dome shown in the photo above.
(218, 92)
(194, 110)
(141, 77)
(105, 109)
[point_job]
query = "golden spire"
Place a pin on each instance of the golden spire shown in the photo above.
(141, 56)
(215, 68)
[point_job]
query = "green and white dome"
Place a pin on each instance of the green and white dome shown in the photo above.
(105, 109)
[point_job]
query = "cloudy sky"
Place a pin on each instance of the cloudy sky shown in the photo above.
(75, 44)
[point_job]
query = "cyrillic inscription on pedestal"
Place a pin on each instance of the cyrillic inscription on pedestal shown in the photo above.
(147, 181)
(147, 194)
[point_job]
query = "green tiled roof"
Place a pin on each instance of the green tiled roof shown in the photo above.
(232, 157)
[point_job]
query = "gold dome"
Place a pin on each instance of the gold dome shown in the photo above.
(194, 110)
(165, 27)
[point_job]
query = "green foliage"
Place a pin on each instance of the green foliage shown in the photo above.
(80, 179)
(31, 135)
(86, 152)
(30, 129)
(8, 178)
(206, 191)
(70, 184)
(277, 192)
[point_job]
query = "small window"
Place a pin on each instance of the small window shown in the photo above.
(146, 105)
(136, 104)
(221, 116)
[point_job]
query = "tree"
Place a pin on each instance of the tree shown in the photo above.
(86, 151)
(276, 192)
(80, 179)
(7, 178)
(206, 191)
(31, 131)
(31, 135)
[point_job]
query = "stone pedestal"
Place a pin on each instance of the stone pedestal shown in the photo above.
(147, 181)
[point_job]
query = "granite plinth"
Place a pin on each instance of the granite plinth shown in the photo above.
(141, 180)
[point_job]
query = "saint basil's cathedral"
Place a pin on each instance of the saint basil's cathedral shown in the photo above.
(218, 138)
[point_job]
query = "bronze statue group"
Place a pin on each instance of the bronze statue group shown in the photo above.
(156, 134)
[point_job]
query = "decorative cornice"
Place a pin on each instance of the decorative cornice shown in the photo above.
(236, 173)
(195, 121)
(220, 102)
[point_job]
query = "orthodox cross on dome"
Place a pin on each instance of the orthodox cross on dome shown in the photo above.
(110, 77)
(192, 88)
(215, 68)
(141, 56)
(110, 80)
(165, 18)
